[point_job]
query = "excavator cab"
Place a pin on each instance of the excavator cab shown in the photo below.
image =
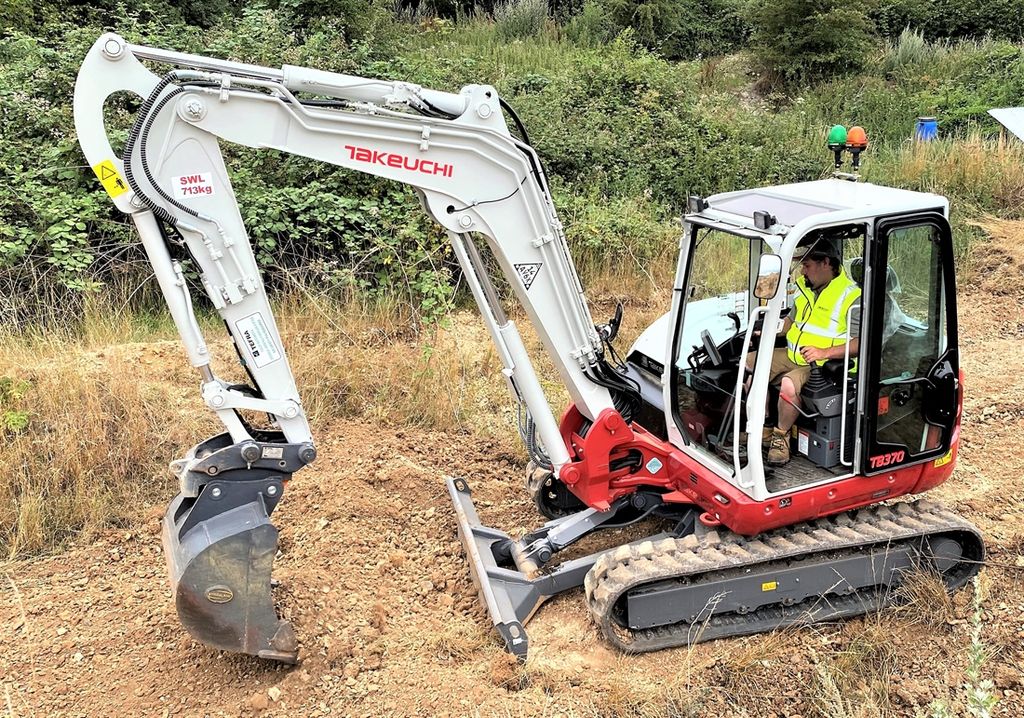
(750, 274)
(889, 402)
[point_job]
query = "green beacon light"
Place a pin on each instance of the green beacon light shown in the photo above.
(837, 143)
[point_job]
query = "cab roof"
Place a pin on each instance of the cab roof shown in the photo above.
(791, 203)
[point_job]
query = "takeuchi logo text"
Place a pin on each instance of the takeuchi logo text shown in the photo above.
(391, 159)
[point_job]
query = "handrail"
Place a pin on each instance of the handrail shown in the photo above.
(737, 395)
(846, 371)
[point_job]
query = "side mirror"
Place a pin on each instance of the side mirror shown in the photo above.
(769, 272)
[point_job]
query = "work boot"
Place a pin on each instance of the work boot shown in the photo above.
(766, 437)
(778, 452)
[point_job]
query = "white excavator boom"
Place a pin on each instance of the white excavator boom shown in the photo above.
(472, 176)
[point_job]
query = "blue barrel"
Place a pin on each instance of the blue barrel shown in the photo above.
(927, 129)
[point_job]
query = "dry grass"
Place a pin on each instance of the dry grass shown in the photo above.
(374, 362)
(856, 681)
(996, 268)
(86, 434)
(90, 421)
(922, 599)
(750, 666)
(92, 414)
(978, 170)
(458, 641)
(636, 699)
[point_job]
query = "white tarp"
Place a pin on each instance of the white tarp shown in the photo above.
(1012, 118)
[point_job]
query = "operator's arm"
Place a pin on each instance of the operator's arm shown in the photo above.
(812, 354)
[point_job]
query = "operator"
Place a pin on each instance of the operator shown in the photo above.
(816, 330)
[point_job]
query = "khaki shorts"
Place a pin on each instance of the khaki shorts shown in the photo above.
(783, 367)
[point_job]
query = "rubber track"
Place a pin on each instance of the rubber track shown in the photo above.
(717, 555)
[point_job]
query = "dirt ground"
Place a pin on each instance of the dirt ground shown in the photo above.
(372, 576)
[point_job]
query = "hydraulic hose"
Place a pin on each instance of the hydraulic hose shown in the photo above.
(129, 148)
(140, 134)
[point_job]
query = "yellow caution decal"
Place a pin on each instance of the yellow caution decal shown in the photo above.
(943, 460)
(769, 585)
(110, 178)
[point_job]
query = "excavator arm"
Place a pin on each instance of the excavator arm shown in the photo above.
(471, 175)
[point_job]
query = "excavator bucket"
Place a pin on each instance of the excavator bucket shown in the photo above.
(220, 577)
(220, 547)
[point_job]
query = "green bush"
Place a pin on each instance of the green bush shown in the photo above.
(809, 40)
(60, 235)
(17, 15)
(39, 18)
(956, 82)
(624, 133)
(956, 19)
(979, 77)
(54, 220)
(676, 29)
(891, 17)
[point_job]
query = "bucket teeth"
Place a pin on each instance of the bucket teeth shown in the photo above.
(284, 646)
(220, 575)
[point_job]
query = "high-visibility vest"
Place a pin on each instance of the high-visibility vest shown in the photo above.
(821, 321)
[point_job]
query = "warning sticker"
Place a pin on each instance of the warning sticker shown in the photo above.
(802, 441)
(258, 340)
(197, 185)
(943, 460)
(528, 272)
(110, 178)
(769, 585)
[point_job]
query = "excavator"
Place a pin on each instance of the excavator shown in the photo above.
(667, 442)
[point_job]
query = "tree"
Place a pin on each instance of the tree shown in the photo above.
(810, 40)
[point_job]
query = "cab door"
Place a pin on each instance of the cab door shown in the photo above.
(913, 365)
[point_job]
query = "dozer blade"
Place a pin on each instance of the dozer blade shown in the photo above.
(220, 574)
(508, 594)
(511, 592)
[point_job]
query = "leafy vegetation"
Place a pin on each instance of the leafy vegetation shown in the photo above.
(957, 19)
(625, 130)
(800, 40)
(675, 29)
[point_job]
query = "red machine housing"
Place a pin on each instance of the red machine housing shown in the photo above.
(683, 479)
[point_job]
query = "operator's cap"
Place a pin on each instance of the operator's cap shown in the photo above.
(817, 246)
